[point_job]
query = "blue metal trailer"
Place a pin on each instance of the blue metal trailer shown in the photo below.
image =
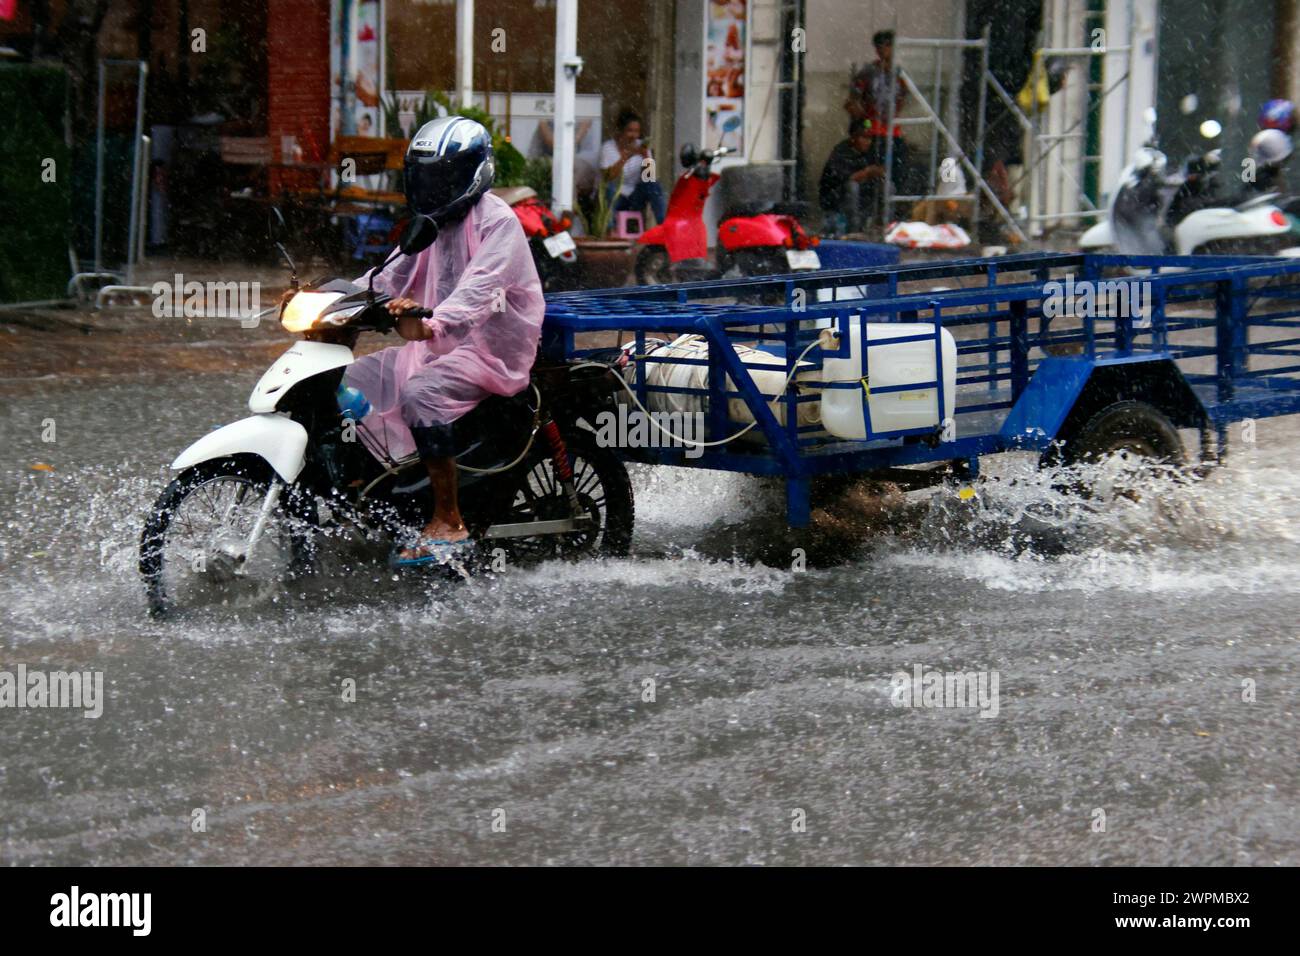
(1212, 342)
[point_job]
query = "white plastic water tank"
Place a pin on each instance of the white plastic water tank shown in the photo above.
(768, 372)
(903, 363)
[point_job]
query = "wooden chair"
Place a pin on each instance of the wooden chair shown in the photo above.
(392, 150)
(366, 213)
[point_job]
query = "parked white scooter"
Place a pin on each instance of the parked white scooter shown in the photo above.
(1142, 206)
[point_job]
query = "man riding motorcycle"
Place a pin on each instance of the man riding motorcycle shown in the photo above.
(479, 279)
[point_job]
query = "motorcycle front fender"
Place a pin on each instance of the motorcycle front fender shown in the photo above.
(684, 239)
(277, 439)
(1098, 236)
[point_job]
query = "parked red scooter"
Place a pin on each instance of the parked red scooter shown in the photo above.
(554, 252)
(752, 241)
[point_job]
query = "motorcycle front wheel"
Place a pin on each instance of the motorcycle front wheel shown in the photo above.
(192, 548)
(653, 267)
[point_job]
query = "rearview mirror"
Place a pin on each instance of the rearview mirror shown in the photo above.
(275, 227)
(418, 234)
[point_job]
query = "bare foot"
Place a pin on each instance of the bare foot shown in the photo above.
(437, 531)
(444, 531)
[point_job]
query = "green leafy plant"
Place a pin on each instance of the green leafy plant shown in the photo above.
(510, 162)
(424, 112)
(537, 175)
(511, 165)
(596, 213)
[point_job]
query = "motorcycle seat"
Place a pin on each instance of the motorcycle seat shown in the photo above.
(514, 194)
(796, 208)
(1260, 199)
(747, 209)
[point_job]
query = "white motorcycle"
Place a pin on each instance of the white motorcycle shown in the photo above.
(1151, 213)
(254, 499)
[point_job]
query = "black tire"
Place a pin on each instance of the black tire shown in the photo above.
(295, 517)
(653, 267)
(555, 274)
(756, 263)
(761, 262)
(533, 494)
(1132, 429)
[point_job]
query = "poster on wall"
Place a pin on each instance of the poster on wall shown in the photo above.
(724, 59)
(356, 67)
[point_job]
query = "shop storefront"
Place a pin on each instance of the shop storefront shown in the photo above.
(364, 67)
(697, 71)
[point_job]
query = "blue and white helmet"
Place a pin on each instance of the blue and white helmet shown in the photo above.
(448, 166)
(1278, 114)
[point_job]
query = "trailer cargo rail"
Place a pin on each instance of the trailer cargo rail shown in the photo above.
(1041, 339)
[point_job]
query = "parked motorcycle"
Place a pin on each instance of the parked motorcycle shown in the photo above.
(255, 500)
(757, 240)
(554, 252)
(1153, 213)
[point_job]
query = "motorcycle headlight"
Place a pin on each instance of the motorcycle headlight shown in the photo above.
(303, 311)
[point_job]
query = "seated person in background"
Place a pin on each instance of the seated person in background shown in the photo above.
(850, 165)
(621, 161)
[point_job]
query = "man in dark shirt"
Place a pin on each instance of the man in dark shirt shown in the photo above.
(870, 89)
(873, 92)
(851, 164)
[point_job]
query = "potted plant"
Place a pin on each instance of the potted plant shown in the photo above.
(605, 261)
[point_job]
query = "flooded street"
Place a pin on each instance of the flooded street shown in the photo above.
(1121, 636)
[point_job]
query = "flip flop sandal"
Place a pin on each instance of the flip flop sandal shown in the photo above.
(435, 551)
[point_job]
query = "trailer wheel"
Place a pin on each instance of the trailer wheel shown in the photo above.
(1134, 436)
(653, 266)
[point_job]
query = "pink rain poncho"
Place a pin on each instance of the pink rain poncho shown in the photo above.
(487, 303)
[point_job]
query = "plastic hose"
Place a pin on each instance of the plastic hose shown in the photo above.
(689, 441)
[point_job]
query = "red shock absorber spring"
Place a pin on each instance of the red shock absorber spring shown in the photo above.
(559, 454)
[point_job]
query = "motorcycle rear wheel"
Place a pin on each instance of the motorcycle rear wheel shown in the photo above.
(534, 493)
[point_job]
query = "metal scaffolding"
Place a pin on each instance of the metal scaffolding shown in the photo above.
(1060, 181)
(1057, 159)
(790, 92)
(946, 83)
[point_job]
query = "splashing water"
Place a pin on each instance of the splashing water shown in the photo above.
(1122, 629)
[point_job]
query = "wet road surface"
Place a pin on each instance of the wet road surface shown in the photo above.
(507, 720)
